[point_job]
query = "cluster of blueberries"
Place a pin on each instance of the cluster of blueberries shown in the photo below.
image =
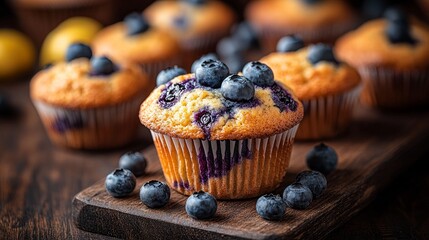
(100, 66)
(212, 73)
(202, 205)
(154, 194)
(322, 159)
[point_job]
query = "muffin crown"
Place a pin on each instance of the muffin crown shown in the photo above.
(74, 84)
(186, 109)
(309, 78)
(371, 46)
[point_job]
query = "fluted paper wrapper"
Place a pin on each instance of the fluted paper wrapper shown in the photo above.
(328, 116)
(227, 169)
(93, 128)
(388, 88)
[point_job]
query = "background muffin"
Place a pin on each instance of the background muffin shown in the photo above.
(198, 25)
(392, 57)
(89, 105)
(314, 21)
(209, 136)
(135, 41)
(328, 89)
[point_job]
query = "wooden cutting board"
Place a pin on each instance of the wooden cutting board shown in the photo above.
(376, 148)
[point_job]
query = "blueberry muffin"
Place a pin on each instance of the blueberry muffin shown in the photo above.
(89, 104)
(229, 135)
(197, 24)
(314, 20)
(327, 88)
(135, 41)
(391, 55)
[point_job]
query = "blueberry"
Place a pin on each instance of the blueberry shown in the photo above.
(201, 205)
(237, 88)
(155, 194)
(234, 63)
(246, 34)
(271, 207)
(169, 73)
(290, 44)
(135, 24)
(259, 74)
(399, 32)
(133, 161)
(322, 158)
(297, 196)
(314, 180)
(102, 66)
(120, 183)
(397, 15)
(78, 50)
(230, 47)
(321, 52)
(173, 92)
(198, 62)
(311, 1)
(211, 73)
(196, 2)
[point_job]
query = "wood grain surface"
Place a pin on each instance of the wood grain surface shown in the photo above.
(377, 147)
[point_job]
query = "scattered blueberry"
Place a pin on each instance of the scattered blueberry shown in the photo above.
(271, 207)
(211, 73)
(314, 180)
(198, 62)
(290, 44)
(133, 161)
(102, 66)
(297, 196)
(78, 50)
(120, 183)
(237, 88)
(259, 74)
(181, 21)
(397, 15)
(135, 23)
(155, 194)
(321, 52)
(201, 205)
(169, 73)
(322, 158)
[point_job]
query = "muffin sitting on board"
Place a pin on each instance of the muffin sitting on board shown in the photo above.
(197, 24)
(392, 56)
(228, 135)
(328, 88)
(136, 41)
(89, 103)
(314, 20)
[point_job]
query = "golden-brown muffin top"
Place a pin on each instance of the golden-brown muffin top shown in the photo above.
(369, 46)
(190, 21)
(311, 81)
(71, 85)
(151, 45)
(198, 112)
(296, 14)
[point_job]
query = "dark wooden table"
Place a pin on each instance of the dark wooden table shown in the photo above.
(39, 180)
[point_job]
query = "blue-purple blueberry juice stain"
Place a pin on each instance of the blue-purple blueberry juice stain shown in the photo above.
(212, 163)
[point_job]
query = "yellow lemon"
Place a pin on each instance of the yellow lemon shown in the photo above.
(76, 29)
(17, 54)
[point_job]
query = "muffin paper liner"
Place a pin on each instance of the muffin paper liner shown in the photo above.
(270, 36)
(92, 128)
(388, 88)
(227, 169)
(327, 116)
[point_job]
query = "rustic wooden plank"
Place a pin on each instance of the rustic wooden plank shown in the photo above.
(376, 148)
